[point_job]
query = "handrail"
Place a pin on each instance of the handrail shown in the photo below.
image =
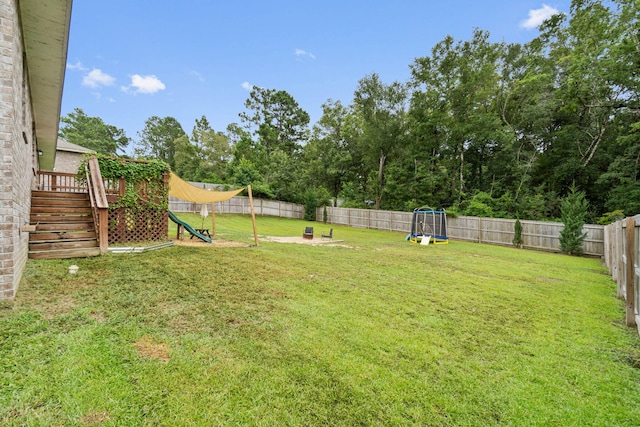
(97, 183)
(59, 181)
(99, 203)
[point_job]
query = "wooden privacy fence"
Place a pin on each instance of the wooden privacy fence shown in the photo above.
(240, 205)
(622, 258)
(535, 234)
(538, 235)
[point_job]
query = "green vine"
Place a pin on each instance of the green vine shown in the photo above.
(145, 187)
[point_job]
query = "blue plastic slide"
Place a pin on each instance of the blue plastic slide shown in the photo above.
(187, 227)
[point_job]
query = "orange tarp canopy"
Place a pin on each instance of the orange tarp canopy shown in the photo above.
(185, 191)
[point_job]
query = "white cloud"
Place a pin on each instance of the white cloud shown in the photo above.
(247, 86)
(146, 84)
(97, 78)
(77, 66)
(198, 76)
(538, 16)
(301, 52)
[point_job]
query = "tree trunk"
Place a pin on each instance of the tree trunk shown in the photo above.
(383, 158)
(461, 182)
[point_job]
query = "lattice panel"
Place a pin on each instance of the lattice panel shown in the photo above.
(127, 225)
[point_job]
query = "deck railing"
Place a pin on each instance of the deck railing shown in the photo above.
(60, 181)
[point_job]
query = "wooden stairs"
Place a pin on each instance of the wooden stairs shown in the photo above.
(64, 226)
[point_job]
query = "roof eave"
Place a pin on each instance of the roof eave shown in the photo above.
(45, 26)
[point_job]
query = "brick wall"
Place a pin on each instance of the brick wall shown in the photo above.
(17, 152)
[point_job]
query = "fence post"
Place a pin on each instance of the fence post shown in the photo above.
(619, 255)
(253, 216)
(631, 274)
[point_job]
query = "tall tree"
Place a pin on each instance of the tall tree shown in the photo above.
(526, 106)
(185, 161)
(92, 133)
(204, 157)
(212, 150)
(277, 120)
(327, 156)
(622, 178)
(157, 139)
(383, 111)
(580, 48)
(243, 146)
(456, 91)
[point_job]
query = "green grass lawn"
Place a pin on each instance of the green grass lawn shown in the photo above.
(377, 331)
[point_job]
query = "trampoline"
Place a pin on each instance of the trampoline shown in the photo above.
(428, 225)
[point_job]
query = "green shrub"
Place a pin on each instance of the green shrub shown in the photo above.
(312, 199)
(611, 217)
(573, 210)
(517, 236)
(478, 208)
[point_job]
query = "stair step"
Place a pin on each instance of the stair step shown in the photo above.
(60, 210)
(59, 219)
(46, 219)
(68, 244)
(41, 202)
(58, 195)
(64, 235)
(84, 225)
(65, 253)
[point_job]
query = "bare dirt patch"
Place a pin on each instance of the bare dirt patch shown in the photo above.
(59, 306)
(147, 347)
(302, 241)
(95, 418)
(97, 316)
(215, 243)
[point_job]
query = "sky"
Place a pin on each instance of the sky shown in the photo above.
(129, 60)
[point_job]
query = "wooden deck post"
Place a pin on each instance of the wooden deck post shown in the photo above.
(103, 235)
(122, 186)
(213, 219)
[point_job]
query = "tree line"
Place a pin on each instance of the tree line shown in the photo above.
(480, 128)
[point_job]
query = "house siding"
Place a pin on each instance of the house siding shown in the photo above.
(17, 151)
(67, 161)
